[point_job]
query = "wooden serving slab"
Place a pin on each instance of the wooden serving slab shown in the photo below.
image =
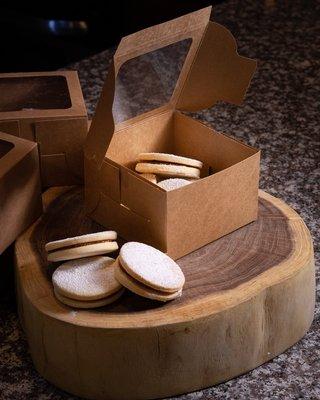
(248, 297)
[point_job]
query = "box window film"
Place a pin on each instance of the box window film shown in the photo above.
(5, 147)
(34, 93)
(148, 81)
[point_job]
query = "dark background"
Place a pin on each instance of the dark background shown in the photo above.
(41, 36)
(46, 36)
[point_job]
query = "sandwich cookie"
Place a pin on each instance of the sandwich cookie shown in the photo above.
(86, 279)
(172, 170)
(170, 158)
(150, 177)
(173, 183)
(88, 304)
(142, 290)
(149, 272)
(82, 246)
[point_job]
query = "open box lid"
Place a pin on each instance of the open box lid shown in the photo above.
(213, 71)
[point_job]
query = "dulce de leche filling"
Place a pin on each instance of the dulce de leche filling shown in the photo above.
(165, 163)
(74, 246)
(142, 285)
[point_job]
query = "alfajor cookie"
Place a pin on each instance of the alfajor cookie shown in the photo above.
(86, 279)
(173, 183)
(140, 289)
(172, 170)
(91, 303)
(151, 267)
(82, 246)
(170, 158)
(150, 177)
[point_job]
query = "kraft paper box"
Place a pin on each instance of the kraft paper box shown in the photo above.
(226, 197)
(47, 108)
(20, 187)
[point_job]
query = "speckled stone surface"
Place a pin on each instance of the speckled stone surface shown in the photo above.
(281, 117)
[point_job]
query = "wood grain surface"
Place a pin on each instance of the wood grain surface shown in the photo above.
(248, 296)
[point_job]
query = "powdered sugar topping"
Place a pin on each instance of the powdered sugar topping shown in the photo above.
(87, 278)
(152, 266)
(173, 183)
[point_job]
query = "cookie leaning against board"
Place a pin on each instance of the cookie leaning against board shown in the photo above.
(95, 281)
(148, 272)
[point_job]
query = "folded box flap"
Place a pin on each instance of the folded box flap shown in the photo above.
(102, 125)
(218, 73)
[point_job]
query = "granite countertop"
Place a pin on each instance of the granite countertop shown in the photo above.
(280, 116)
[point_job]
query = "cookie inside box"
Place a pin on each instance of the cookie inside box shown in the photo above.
(5, 147)
(34, 93)
(176, 133)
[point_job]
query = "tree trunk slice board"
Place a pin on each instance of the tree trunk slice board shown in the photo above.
(248, 297)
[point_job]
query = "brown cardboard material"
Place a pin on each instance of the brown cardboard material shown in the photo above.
(187, 218)
(47, 108)
(20, 187)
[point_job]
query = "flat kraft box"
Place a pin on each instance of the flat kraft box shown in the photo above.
(20, 187)
(226, 197)
(47, 108)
